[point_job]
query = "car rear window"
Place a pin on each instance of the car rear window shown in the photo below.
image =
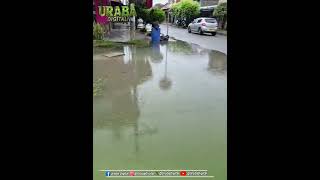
(210, 20)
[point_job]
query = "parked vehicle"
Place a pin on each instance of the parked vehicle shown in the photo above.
(164, 37)
(181, 22)
(204, 25)
(148, 28)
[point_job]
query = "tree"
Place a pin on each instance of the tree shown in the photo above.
(186, 10)
(142, 13)
(150, 15)
(221, 13)
(157, 14)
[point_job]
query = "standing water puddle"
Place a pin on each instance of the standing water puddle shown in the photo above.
(160, 107)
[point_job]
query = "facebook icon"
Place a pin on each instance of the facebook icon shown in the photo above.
(108, 173)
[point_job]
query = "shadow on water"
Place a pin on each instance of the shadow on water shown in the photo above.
(165, 82)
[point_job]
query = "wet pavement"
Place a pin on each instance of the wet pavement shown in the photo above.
(160, 107)
(217, 42)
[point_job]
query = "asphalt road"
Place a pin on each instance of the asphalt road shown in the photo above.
(217, 42)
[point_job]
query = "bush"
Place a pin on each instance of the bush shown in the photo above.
(98, 31)
(186, 10)
(157, 14)
(150, 15)
(221, 10)
(142, 12)
(221, 14)
(145, 15)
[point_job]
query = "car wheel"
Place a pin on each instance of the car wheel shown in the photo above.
(200, 31)
(214, 33)
(189, 30)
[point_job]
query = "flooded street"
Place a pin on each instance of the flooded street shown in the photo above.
(160, 107)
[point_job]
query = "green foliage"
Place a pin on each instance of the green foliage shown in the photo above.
(150, 15)
(98, 31)
(145, 15)
(138, 43)
(221, 14)
(186, 9)
(221, 10)
(157, 14)
(103, 43)
(110, 44)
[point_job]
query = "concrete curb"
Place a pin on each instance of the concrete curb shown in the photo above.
(222, 33)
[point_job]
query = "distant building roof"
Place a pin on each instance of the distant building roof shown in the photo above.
(208, 7)
(166, 6)
(208, 2)
(158, 5)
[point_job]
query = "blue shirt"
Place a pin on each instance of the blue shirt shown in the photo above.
(155, 35)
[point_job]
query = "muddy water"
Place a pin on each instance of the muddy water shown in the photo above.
(160, 107)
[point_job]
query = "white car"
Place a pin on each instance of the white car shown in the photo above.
(148, 28)
(140, 24)
(204, 25)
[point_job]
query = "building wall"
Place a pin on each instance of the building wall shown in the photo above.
(208, 2)
(148, 3)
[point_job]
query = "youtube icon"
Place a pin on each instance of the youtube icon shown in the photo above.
(183, 173)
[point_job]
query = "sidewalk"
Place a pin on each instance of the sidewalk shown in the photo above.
(222, 32)
(123, 33)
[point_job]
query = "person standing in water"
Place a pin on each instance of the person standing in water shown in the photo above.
(155, 33)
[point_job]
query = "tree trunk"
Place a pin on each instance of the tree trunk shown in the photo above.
(221, 22)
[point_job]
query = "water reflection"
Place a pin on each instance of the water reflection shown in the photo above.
(184, 47)
(121, 75)
(180, 47)
(217, 63)
(156, 55)
(165, 83)
(136, 122)
(118, 107)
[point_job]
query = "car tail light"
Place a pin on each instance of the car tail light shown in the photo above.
(203, 24)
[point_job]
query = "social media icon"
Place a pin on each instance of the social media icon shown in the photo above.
(183, 173)
(108, 173)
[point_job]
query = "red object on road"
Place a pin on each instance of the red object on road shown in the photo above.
(183, 173)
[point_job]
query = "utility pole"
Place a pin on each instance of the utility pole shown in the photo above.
(168, 22)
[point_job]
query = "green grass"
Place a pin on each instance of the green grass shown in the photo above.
(103, 43)
(138, 43)
(110, 44)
